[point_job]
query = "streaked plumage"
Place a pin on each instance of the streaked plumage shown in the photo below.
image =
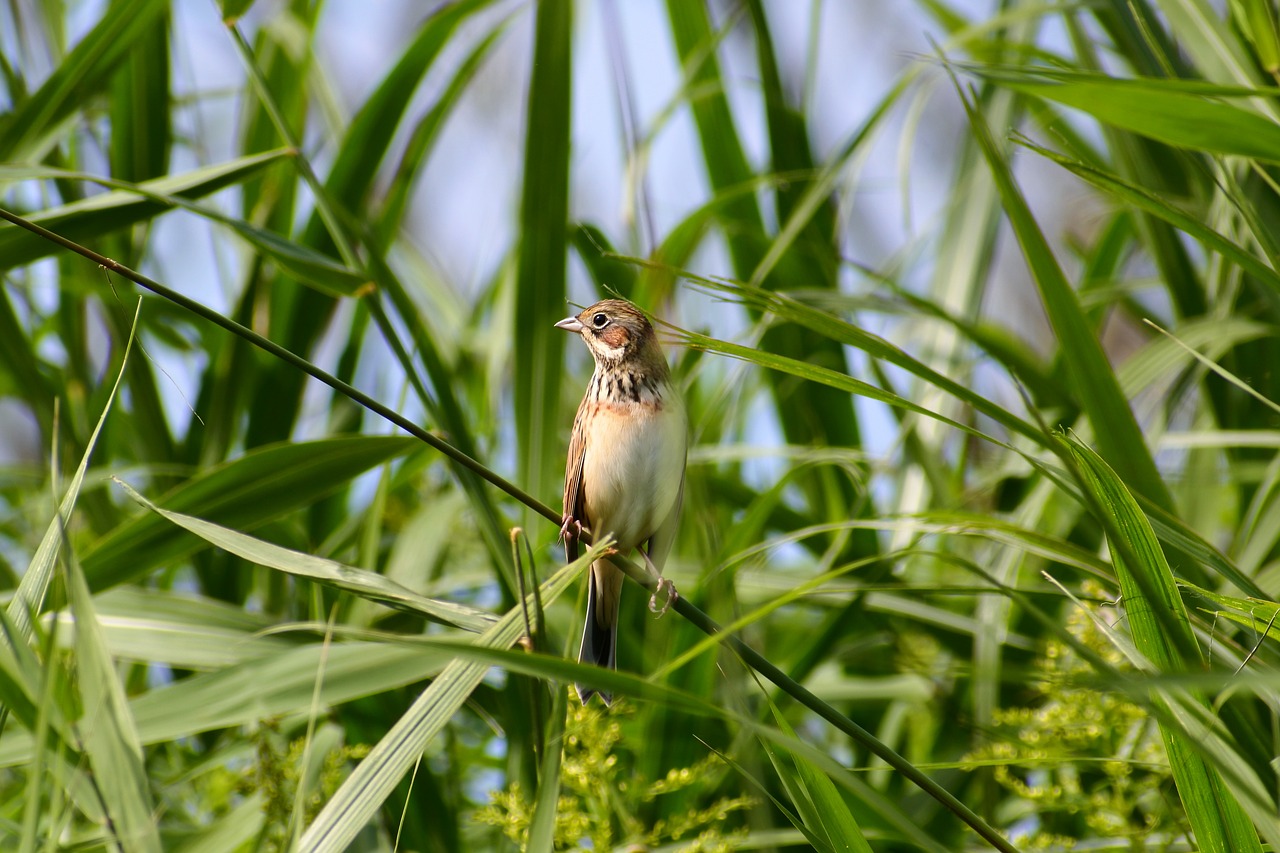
(625, 472)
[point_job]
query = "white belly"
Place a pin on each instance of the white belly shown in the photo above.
(632, 471)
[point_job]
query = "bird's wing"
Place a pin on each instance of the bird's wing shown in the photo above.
(665, 536)
(573, 491)
(676, 427)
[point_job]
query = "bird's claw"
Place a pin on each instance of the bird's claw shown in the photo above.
(665, 586)
(570, 528)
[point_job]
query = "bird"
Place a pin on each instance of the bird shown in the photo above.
(624, 476)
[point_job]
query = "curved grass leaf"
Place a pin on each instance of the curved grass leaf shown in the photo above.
(83, 221)
(29, 130)
(1093, 382)
(826, 376)
(1149, 202)
(184, 631)
(141, 132)
(107, 729)
(261, 486)
(542, 828)
(369, 585)
(831, 327)
(423, 138)
(364, 792)
(29, 598)
(1162, 633)
(541, 263)
(825, 814)
(272, 686)
(807, 413)
(1185, 113)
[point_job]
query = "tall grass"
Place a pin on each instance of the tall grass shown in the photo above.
(953, 575)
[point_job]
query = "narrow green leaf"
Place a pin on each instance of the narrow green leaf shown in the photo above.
(304, 263)
(370, 585)
(107, 729)
(540, 267)
(784, 775)
(1094, 383)
(542, 828)
(423, 138)
(82, 221)
(140, 112)
(1187, 114)
(839, 380)
(369, 135)
(367, 788)
(825, 811)
(262, 688)
(1148, 202)
(181, 630)
(29, 598)
(809, 414)
(1257, 20)
(19, 676)
(27, 132)
(1162, 633)
(261, 486)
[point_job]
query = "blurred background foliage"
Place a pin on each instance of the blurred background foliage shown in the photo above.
(975, 309)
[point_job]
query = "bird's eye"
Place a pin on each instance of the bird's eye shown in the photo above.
(600, 320)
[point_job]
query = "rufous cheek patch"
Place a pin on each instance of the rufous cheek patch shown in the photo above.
(615, 336)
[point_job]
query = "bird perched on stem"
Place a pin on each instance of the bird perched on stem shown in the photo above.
(625, 473)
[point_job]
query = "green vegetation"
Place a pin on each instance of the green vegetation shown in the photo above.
(981, 545)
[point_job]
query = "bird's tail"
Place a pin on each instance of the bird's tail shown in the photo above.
(600, 633)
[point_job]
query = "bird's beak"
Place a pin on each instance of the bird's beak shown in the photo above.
(570, 324)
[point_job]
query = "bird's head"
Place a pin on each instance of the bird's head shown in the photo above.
(616, 332)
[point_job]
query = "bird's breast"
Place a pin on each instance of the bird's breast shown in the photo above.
(632, 468)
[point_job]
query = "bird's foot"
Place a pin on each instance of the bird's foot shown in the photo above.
(666, 589)
(570, 528)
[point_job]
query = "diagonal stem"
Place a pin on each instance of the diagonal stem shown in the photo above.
(293, 359)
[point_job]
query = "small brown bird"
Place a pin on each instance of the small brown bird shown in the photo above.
(625, 474)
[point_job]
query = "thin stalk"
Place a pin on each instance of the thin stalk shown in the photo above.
(293, 359)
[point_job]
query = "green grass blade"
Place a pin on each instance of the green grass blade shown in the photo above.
(82, 221)
(1162, 633)
(808, 413)
(368, 787)
(796, 820)
(29, 598)
(107, 729)
(1148, 202)
(140, 113)
(1256, 19)
(369, 585)
(1094, 383)
(29, 130)
(540, 266)
(422, 140)
(20, 677)
(834, 379)
(270, 686)
(181, 630)
(1187, 114)
(370, 134)
(262, 485)
(824, 810)
(831, 327)
(542, 829)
